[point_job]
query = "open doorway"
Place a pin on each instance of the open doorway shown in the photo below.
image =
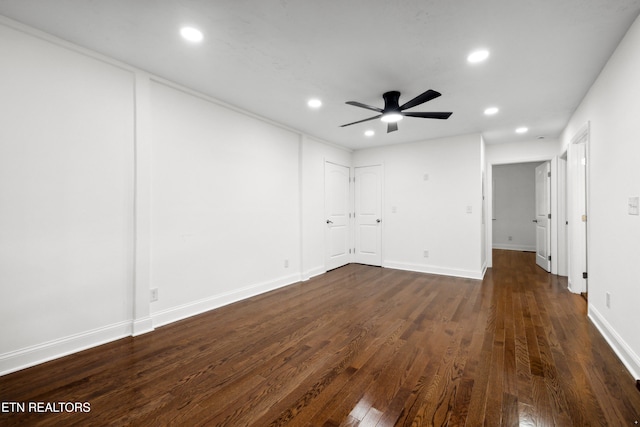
(558, 183)
(514, 206)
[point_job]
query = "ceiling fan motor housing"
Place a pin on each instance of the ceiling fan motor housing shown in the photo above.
(391, 102)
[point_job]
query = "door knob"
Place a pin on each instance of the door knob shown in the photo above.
(329, 221)
(535, 220)
(378, 220)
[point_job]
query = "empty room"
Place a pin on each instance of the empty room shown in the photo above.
(336, 213)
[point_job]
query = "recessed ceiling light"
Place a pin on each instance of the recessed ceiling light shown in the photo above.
(522, 130)
(369, 133)
(478, 56)
(491, 111)
(191, 34)
(314, 103)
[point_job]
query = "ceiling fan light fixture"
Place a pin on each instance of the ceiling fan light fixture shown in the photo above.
(314, 103)
(391, 117)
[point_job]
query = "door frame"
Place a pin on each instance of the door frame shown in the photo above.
(563, 236)
(578, 237)
(556, 182)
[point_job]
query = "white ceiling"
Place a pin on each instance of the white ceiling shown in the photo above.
(270, 56)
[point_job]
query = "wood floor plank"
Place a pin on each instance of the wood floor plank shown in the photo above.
(358, 346)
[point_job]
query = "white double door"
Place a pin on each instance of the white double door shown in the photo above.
(361, 224)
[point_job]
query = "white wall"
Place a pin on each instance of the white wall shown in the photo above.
(66, 200)
(612, 108)
(225, 204)
(114, 182)
(431, 214)
(536, 150)
(514, 207)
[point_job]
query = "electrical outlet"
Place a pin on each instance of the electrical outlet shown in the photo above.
(425, 254)
(510, 238)
(608, 299)
(154, 294)
(286, 263)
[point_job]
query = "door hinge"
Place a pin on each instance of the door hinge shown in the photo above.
(585, 275)
(584, 218)
(549, 257)
(549, 216)
(349, 250)
(549, 174)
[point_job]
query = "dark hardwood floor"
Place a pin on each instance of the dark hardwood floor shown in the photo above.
(358, 346)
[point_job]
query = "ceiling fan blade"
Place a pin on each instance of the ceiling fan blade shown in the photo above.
(365, 120)
(420, 99)
(392, 127)
(428, 115)
(361, 105)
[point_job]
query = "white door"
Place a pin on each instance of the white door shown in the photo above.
(368, 215)
(582, 202)
(543, 216)
(577, 214)
(336, 206)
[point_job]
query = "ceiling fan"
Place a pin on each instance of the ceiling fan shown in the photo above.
(392, 113)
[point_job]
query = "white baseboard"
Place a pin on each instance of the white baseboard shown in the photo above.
(173, 314)
(509, 247)
(571, 288)
(34, 355)
(468, 274)
(30, 356)
(142, 326)
(628, 357)
(313, 272)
